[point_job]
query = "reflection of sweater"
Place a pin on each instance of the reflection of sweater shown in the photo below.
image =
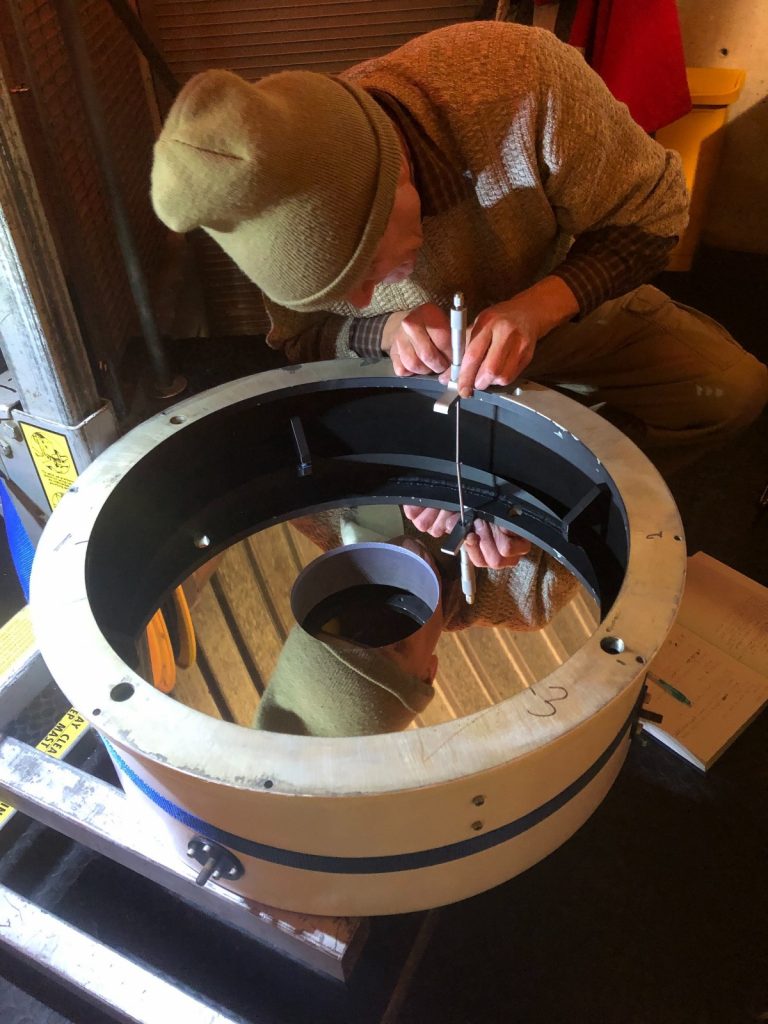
(547, 154)
(523, 598)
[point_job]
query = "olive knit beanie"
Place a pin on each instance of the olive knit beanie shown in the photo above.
(294, 176)
(330, 687)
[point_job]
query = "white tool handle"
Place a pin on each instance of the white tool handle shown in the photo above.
(458, 334)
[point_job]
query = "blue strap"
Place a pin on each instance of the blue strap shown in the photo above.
(381, 864)
(22, 549)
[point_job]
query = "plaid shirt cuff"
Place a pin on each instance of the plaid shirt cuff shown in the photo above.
(365, 335)
(605, 264)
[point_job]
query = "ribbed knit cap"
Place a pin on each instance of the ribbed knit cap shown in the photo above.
(294, 176)
(331, 687)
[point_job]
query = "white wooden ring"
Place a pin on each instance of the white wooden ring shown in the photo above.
(377, 824)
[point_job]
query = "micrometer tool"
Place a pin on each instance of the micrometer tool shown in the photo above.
(443, 404)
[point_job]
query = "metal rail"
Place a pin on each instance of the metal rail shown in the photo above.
(98, 815)
(128, 990)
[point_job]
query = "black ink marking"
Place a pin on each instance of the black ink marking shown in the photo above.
(549, 702)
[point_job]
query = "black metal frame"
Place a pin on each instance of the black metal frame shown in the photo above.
(238, 470)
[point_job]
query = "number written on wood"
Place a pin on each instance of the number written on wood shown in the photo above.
(547, 706)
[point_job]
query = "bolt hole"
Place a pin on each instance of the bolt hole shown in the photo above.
(176, 420)
(122, 691)
(724, 51)
(677, 537)
(640, 659)
(268, 784)
(96, 711)
(612, 645)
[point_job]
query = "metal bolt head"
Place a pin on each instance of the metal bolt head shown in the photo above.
(478, 801)
(6, 450)
(477, 825)
(202, 541)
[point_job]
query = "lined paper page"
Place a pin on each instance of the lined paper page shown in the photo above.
(727, 609)
(725, 695)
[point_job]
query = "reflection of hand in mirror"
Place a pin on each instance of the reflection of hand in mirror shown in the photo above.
(489, 546)
(242, 616)
(495, 547)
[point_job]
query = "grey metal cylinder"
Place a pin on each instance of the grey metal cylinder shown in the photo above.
(385, 565)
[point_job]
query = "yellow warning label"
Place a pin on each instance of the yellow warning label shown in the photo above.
(55, 743)
(17, 641)
(53, 461)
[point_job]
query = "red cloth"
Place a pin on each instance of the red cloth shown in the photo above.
(636, 48)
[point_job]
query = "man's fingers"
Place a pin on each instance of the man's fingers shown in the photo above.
(434, 521)
(509, 544)
(424, 347)
(397, 363)
(493, 547)
(413, 512)
(499, 363)
(504, 358)
(410, 358)
(488, 550)
(443, 522)
(473, 359)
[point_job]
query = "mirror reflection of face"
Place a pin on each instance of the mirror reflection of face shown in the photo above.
(396, 253)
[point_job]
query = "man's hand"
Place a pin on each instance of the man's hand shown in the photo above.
(488, 546)
(502, 340)
(418, 340)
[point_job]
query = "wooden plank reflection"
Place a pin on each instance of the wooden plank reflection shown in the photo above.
(241, 611)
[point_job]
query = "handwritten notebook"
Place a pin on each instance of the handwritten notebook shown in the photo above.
(710, 679)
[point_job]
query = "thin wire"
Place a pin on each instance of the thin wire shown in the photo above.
(462, 511)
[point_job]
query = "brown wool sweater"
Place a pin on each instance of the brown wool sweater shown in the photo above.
(548, 155)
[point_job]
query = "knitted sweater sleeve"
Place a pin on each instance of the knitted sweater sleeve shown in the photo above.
(599, 168)
(308, 337)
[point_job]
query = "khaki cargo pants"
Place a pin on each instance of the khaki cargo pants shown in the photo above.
(671, 378)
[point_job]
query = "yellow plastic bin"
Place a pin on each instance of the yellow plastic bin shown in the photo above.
(698, 137)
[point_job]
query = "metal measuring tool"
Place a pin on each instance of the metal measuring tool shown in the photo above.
(443, 404)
